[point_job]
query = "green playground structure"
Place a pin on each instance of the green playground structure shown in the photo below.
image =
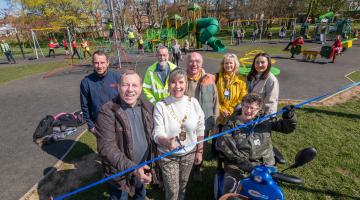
(204, 29)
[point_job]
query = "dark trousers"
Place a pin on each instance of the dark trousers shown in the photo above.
(237, 39)
(176, 58)
(51, 51)
(116, 194)
(9, 56)
(131, 42)
(287, 47)
(86, 52)
(75, 52)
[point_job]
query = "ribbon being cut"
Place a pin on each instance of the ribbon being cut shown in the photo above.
(206, 139)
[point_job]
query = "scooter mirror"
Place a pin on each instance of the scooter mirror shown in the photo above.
(302, 157)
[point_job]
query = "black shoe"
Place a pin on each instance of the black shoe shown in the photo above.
(198, 177)
(210, 156)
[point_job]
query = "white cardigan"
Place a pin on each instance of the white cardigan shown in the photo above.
(166, 125)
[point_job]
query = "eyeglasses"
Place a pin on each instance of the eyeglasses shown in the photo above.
(252, 108)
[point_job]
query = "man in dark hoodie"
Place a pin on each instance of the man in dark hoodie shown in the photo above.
(98, 88)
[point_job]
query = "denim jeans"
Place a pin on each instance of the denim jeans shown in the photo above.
(116, 194)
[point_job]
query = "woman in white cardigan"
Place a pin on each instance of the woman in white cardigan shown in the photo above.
(178, 120)
(260, 80)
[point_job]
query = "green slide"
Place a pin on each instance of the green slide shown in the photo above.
(206, 28)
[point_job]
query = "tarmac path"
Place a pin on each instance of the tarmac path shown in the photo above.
(25, 101)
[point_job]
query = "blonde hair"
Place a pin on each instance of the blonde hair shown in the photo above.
(234, 58)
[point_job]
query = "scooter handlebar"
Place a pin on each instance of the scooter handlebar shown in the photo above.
(281, 177)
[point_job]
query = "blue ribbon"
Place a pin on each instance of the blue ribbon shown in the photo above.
(198, 142)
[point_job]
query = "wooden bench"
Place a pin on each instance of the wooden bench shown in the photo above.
(310, 55)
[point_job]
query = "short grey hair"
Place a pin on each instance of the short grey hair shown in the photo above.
(161, 47)
(130, 72)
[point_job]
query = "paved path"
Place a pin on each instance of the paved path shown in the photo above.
(24, 102)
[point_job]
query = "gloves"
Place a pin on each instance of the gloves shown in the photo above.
(289, 112)
(246, 166)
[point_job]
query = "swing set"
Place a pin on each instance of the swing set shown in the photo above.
(36, 45)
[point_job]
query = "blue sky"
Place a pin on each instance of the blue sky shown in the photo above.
(3, 4)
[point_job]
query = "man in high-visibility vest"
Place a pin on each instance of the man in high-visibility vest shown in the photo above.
(131, 37)
(5, 48)
(156, 77)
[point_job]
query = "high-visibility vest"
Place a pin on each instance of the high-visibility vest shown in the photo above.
(131, 35)
(153, 88)
(5, 47)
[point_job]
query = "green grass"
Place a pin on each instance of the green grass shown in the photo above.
(17, 71)
(85, 145)
(334, 174)
(355, 76)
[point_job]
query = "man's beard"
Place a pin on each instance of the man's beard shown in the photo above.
(162, 64)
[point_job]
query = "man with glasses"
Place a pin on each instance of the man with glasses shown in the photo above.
(202, 86)
(155, 86)
(251, 145)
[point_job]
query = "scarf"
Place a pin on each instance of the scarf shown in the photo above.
(197, 76)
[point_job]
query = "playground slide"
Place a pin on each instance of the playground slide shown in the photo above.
(206, 28)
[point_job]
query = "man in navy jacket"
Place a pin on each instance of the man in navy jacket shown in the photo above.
(98, 88)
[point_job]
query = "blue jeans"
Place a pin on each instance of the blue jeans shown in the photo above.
(116, 194)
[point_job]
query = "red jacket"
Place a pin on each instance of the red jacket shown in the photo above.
(337, 43)
(51, 46)
(73, 44)
(298, 41)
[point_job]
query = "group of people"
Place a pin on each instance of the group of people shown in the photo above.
(178, 108)
(336, 47)
(85, 46)
(240, 35)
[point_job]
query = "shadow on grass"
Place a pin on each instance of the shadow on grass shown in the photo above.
(58, 149)
(202, 190)
(334, 194)
(72, 176)
(329, 112)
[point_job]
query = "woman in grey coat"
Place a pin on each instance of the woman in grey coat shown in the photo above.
(261, 81)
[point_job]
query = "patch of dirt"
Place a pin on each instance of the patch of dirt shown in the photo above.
(342, 171)
(342, 97)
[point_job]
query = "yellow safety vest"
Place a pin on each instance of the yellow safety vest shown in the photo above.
(131, 35)
(153, 88)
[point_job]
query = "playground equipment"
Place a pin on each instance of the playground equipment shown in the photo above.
(322, 26)
(202, 30)
(311, 55)
(36, 42)
(343, 27)
(205, 29)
